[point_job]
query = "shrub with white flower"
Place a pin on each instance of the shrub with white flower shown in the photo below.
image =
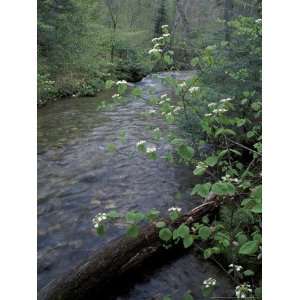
(194, 89)
(225, 100)
(174, 212)
(182, 85)
(115, 96)
(141, 145)
(243, 291)
(209, 282)
(208, 286)
(235, 267)
(121, 82)
(164, 96)
(212, 104)
(99, 219)
(151, 152)
(219, 110)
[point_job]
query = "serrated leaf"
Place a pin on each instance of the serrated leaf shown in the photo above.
(248, 273)
(188, 241)
(211, 161)
(160, 224)
(249, 248)
(204, 232)
(165, 234)
(223, 188)
(186, 152)
(202, 189)
(133, 231)
(200, 169)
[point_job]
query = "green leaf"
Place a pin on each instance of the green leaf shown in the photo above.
(165, 234)
(248, 273)
(188, 241)
(168, 60)
(207, 253)
(137, 92)
(200, 169)
(204, 232)
(201, 189)
(205, 220)
(153, 214)
(101, 229)
(194, 61)
(109, 84)
(133, 231)
(249, 248)
(186, 152)
(113, 214)
(134, 217)
(188, 296)
(211, 161)
(183, 230)
(240, 122)
(160, 224)
(224, 131)
(167, 298)
(174, 215)
(223, 188)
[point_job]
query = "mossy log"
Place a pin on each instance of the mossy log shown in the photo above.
(105, 269)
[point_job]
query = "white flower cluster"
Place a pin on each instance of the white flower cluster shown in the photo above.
(258, 21)
(156, 130)
(121, 82)
(99, 218)
(166, 34)
(115, 96)
(151, 149)
(164, 26)
(140, 143)
(219, 110)
(174, 208)
(225, 100)
(164, 96)
(210, 282)
(236, 267)
(208, 115)
(154, 50)
(212, 104)
(182, 85)
(157, 40)
(151, 111)
(194, 89)
(177, 109)
(243, 291)
(227, 177)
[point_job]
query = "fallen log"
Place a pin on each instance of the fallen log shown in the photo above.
(101, 273)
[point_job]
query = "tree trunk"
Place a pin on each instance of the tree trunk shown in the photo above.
(102, 273)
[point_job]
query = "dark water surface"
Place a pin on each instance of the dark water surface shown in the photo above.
(78, 177)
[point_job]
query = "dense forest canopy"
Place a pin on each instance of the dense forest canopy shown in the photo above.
(81, 43)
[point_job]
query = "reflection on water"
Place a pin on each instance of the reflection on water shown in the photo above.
(78, 177)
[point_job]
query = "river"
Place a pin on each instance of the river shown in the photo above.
(78, 177)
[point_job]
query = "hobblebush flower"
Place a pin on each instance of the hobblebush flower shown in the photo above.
(166, 34)
(194, 89)
(164, 26)
(208, 115)
(243, 291)
(177, 109)
(151, 149)
(164, 96)
(219, 110)
(156, 130)
(182, 85)
(236, 267)
(225, 100)
(258, 21)
(174, 208)
(152, 111)
(212, 104)
(209, 282)
(98, 219)
(152, 51)
(121, 82)
(139, 143)
(115, 96)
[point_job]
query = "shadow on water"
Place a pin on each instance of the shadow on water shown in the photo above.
(78, 177)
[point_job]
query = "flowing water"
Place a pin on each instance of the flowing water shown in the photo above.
(78, 177)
